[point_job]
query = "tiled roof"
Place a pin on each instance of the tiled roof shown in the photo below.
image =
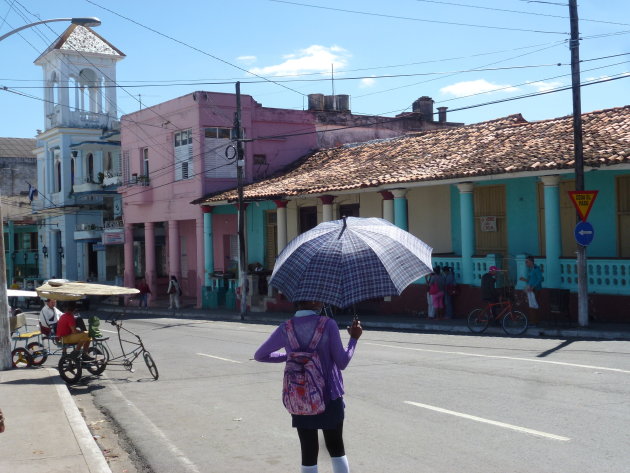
(17, 147)
(502, 146)
(83, 39)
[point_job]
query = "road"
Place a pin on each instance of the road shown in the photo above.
(415, 403)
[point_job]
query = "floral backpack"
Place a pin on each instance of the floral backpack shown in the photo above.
(304, 383)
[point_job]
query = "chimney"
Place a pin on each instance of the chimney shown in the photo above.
(424, 106)
(442, 114)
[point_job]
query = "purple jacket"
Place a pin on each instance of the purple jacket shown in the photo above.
(333, 356)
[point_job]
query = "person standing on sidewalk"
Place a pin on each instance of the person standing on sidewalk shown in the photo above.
(303, 327)
(145, 290)
(534, 281)
(449, 291)
(173, 291)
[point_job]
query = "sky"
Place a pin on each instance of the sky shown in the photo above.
(465, 54)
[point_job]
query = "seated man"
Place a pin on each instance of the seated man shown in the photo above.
(48, 317)
(68, 332)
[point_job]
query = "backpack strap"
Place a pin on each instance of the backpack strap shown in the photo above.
(319, 331)
(293, 343)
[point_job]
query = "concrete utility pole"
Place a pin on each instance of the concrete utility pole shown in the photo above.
(578, 156)
(5, 335)
(240, 162)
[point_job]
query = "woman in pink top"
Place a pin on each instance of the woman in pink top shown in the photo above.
(334, 358)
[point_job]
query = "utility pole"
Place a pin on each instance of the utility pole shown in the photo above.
(574, 46)
(5, 336)
(240, 163)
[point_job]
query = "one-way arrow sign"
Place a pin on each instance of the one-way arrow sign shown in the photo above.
(584, 233)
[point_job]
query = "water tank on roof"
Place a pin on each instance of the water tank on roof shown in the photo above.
(343, 103)
(316, 101)
(329, 103)
(424, 106)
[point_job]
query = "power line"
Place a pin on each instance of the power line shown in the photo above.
(191, 47)
(518, 11)
(424, 20)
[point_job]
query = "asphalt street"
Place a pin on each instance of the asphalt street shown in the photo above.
(416, 402)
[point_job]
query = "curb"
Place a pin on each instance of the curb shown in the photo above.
(92, 454)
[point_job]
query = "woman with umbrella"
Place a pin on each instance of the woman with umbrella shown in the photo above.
(333, 358)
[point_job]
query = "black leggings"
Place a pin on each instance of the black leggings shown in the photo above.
(310, 443)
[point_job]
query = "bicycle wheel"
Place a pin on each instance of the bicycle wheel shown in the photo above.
(38, 352)
(514, 322)
(21, 358)
(478, 320)
(148, 359)
(70, 368)
(99, 364)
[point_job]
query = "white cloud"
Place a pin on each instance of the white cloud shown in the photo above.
(315, 58)
(462, 89)
(367, 82)
(542, 86)
(247, 59)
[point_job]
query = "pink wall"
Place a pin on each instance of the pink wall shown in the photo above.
(222, 225)
(165, 199)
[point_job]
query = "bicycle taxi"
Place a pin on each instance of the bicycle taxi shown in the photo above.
(71, 364)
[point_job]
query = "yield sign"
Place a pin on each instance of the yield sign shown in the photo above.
(583, 201)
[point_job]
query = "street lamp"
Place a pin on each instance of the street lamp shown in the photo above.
(45, 251)
(90, 21)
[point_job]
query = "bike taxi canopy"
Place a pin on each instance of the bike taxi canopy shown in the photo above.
(61, 290)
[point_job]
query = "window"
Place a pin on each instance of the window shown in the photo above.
(183, 155)
(72, 172)
(217, 164)
(308, 218)
(125, 165)
(90, 168)
(490, 220)
(145, 162)
(57, 176)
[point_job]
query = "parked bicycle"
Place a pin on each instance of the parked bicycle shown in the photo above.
(514, 322)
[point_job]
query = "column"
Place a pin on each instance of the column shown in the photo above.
(208, 247)
(200, 260)
(129, 273)
(553, 237)
(174, 263)
(467, 223)
(10, 249)
(388, 205)
(400, 208)
(327, 210)
(281, 212)
(149, 257)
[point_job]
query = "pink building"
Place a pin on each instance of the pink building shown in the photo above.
(179, 151)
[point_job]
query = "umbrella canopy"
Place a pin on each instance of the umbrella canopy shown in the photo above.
(350, 260)
(61, 290)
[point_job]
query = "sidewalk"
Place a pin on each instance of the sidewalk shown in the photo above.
(44, 428)
(606, 331)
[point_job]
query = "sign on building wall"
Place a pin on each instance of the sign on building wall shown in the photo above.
(114, 237)
(488, 224)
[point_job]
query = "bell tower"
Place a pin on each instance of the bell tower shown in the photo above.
(80, 76)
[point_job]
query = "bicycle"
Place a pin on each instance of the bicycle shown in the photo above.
(514, 322)
(71, 365)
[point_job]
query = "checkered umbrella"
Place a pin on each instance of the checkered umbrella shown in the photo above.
(350, 260)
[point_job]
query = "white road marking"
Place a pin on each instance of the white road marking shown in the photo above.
(491, 422)
(532, 360)
(219, 358)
